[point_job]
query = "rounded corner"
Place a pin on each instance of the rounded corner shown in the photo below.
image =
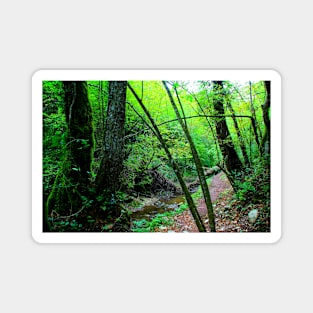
(276, 73)
(36, 74)
(277, 239)
(36, 238)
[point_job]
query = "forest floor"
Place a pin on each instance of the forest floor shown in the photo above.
(227, 218)
(230, 215)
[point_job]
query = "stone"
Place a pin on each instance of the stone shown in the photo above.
(253, 215)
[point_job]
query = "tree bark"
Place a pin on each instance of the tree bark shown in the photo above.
(108, 177)
(240, 138)
(266, 141)
(229, 153)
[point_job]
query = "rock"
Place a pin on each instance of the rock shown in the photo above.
(253, 215)
(159, 204)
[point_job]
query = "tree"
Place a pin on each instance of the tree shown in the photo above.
(253, 113)
(80, 130)
(229, 153)
(71, 183)
(197, 161)
(237, 131)
(108, 177)
(266, 140)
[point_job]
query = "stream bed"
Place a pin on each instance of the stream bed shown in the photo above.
(149, 211)
(154, 206)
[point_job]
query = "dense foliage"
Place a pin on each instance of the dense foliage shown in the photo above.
(156, 149)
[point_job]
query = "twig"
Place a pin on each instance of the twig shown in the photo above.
(84, 206)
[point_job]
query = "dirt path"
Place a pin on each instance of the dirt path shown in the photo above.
(219, 183)
(185, 222)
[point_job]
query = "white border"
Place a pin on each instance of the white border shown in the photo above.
(154, 74)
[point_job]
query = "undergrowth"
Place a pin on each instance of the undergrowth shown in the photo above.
(161, 219)
(252, 192)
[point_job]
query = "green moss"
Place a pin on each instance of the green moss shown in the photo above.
(65, 197)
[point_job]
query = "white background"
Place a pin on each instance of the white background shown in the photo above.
(155, 34)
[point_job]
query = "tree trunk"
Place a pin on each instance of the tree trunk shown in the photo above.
(79, 121)
(240, 138)
(72, 180)
(258, 130)
(108, 177)
(229, 153)
(266, 141)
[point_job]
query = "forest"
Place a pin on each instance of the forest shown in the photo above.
(156, 156)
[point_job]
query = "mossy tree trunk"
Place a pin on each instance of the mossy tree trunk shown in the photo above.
(72, 182)
(229, 153)
(80, 130)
